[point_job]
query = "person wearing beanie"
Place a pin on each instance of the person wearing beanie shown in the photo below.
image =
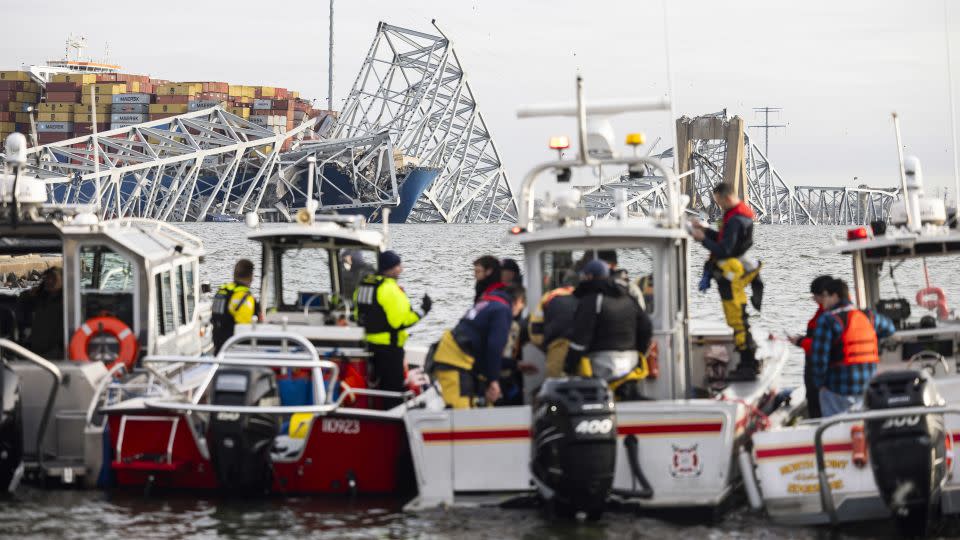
(384, 311)
(609, 333)
(510, 272)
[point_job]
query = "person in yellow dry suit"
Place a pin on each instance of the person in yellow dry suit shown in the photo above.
(726, 265)
(384, 311)
(467, 360)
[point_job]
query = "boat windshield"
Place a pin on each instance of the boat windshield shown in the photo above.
(317, 277)
(929, 289)
(631, 267)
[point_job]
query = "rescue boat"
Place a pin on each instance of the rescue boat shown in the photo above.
(284, 406)
(675, 448)
(892, 455)
(129, 288)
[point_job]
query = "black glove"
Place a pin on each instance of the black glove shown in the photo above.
(426, 304)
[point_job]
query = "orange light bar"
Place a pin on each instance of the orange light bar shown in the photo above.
(516, 229)
(561, 142)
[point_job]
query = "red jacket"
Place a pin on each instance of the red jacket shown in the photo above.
(807, 342)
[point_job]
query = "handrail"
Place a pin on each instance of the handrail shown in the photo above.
(826, 498)
(57, 379)
(101, 386)
(290, 360)
(273, 409)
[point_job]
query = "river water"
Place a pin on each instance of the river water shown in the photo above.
(437, 260)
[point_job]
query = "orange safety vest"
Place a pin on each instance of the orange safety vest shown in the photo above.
(857, 343)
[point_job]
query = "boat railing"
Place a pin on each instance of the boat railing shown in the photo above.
(322, 409)
(101, 388)
(826, 496)
(54, 372)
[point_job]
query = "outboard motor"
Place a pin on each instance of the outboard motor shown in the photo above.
(240, 443)
(11, 431)
(907, 453)
(574, 446)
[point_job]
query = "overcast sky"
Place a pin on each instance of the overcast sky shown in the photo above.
(838, 68)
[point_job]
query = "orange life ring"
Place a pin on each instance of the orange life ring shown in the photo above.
(80, 342)
(934, 298)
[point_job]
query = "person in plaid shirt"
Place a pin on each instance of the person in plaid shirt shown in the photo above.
(845, 352)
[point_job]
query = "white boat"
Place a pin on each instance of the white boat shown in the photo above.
(130, 288)
(811, 471)
(678, 447)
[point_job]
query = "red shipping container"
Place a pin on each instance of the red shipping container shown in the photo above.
(161, 116)
(8, 95)
(48, 137)
(15, 86)
(106, 77)
(86, 129)
(63, 87)
(171, 100)
(7, 116)
(281, 93)
(63, 97)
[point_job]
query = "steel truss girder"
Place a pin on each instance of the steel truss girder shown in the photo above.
(830, 205)
(181, 168)
(412, 86)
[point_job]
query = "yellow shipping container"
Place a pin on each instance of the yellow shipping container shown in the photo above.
(56, 107)
(27, 97)
(244, 99)
(55, 117)
(250, 92)
(7, 127)
(22, 117)
(267, 91)
(16, 106)
(179, 89)
(294, 95)
(81, 78)
(168, 108)
(242, 112)
(85, 118)
(109, 88)
(235, 90)
(14, 76)
(101, 99)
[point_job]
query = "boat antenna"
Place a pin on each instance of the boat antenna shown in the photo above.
(903, 172)
(953, 110)
(670, 95)
(581, 123)
(330, 64)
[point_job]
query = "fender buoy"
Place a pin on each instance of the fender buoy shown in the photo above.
(80, 342)
(934, 298)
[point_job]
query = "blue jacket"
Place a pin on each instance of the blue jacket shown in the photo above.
(844, 380)
(484, 330)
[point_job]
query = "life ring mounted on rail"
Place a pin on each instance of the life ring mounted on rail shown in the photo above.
(105, 324)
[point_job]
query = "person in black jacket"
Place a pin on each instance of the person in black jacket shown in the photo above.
(609, 327)
(726, 265)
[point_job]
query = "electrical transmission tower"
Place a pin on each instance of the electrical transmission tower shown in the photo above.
(766, 126)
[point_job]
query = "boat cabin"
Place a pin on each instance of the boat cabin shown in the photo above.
(310, 271)
(911, 278)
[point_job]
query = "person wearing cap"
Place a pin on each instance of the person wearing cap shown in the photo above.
(610, 330)
(468, 359)
(384, 311)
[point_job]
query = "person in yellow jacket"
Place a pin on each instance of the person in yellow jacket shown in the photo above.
(384, 311)
(233, 304)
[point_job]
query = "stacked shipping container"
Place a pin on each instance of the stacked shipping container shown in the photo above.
(63, 111)
(19, 95)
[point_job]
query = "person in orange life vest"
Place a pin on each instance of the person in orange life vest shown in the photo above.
(845, 352)
(727, 247)
(486, 273)
(805, 342)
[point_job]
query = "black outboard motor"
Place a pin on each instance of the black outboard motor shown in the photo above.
(574, 448)
(907, 453)
(240, 443)
(11, 431)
